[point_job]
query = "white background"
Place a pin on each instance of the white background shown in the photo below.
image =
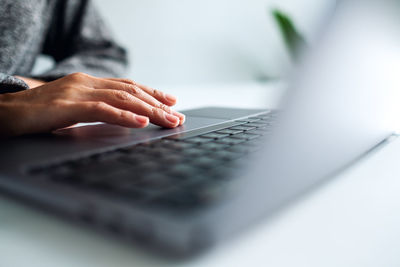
(182, 42)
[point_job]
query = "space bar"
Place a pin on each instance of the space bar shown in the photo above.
(189, 134)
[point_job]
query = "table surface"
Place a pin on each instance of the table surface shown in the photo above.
(353, 220)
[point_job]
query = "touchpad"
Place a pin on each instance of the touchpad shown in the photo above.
(118, 135)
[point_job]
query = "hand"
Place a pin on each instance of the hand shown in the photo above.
(83, 98)
(32, 83)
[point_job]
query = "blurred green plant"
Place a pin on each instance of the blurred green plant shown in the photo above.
(294, 41)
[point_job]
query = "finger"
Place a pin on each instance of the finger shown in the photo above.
(165, 98)
(102, 112)
(137, 92)
(98, 83)
(123, 100)
(129, 86)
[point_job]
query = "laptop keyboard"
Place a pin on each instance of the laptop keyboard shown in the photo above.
(180, 171)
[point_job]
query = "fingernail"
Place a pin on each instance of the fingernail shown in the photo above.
(142, 119)
(170, 98)
(171, 118)
(180, 116)
(183, 119)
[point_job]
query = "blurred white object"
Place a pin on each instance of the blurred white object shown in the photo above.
(179, 42)
(352, 99)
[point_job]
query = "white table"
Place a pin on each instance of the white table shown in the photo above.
(354, 220)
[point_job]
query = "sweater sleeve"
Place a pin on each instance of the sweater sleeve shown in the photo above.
(11, 84)
(79, 41)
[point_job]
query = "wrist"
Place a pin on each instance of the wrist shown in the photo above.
(6, 99)
(32, 83)
(8, 116)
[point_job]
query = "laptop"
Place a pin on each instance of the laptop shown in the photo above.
(180, 191)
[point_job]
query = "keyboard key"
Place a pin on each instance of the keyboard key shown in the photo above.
(154, 182)
(257, 142)
(149, 165)
(133, 159)
(222, 173)
(183, 171)
(103, 185)
(172, 158)
(230, 141)
(132, 194)
(176, 200)
(198, 140)
(206, 162)
(102, 168)
(259, 131)
(125, 177)
(159, 152)
(215, 135)
(229, 131)
(130, 184)
(205, 192)
(243, 148)
(192, 153)
(242, 128)
(225, 155)
(178, 146)
(140, 148)
(256, 124)
(63, 174)
(246, 136)
(213, 146)
(189, 198)
(162, 142)
(111, 155)
(239, 149)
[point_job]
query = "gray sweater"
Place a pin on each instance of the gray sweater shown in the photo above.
(69, 31)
